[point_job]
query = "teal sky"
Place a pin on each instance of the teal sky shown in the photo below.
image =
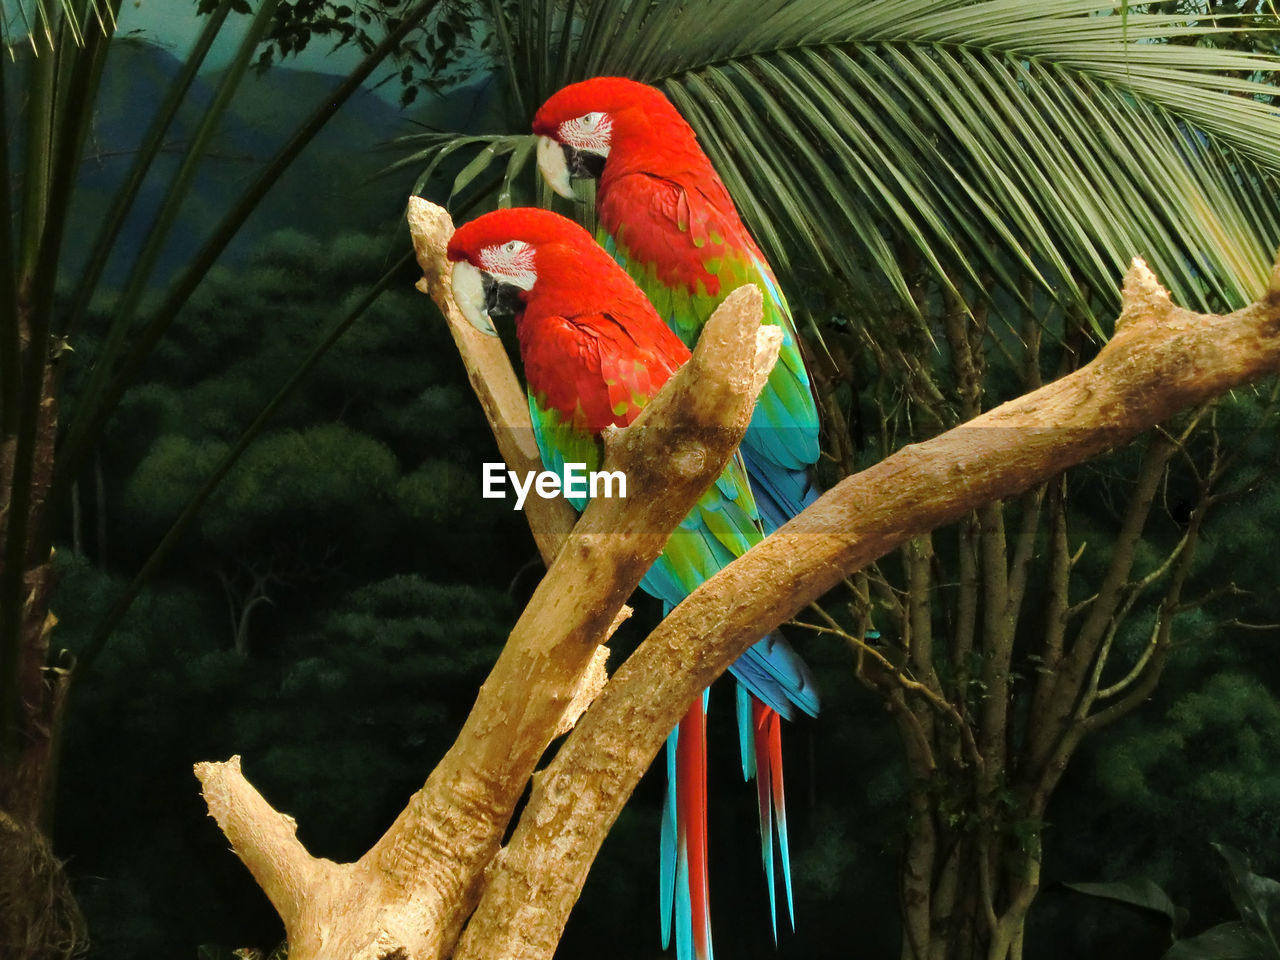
(173, 24)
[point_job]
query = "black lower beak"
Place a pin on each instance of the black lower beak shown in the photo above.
(501, 299)
(583, 164)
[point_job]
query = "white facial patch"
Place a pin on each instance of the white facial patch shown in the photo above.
(468, 294)
(554, 169)
(591, 133)
(510, 262)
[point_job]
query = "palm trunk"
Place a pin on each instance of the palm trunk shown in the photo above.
(38, 917)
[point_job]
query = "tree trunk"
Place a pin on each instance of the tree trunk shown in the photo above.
(990, 695)
(38, 916)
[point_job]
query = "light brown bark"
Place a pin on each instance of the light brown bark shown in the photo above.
(412, 892)
(414, 889)
(1162, 359)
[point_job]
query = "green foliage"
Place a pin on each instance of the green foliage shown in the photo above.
(434, 55)
(288, 477)
(988, 143)
(1136, 892)
(1255, 936)
(368, 700)
(431, 493)
(337, 727)
(1233, 720)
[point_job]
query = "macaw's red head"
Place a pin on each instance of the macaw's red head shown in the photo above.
(582, 126)
(590, 341)
(506, 260)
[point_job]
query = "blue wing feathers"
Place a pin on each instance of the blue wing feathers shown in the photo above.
(780, 493)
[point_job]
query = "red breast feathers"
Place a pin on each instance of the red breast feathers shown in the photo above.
(593, 347)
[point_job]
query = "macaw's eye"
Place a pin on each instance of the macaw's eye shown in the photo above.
(511, 263)
(591, 120)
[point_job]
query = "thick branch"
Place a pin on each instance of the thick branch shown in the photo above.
(1162, 359)
(264, 839)
(424, 876)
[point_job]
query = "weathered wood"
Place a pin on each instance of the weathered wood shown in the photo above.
(1162, 359)
(438, 866)
(415, 888)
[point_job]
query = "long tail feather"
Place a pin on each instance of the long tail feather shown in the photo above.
(692, 777)
(780, 807)
(760, 714)
(669, 845)
(766, 730)
(684, 888)
(746, 731)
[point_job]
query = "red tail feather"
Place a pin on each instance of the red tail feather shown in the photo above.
(760, 717)
(691, 775)
(775, 759)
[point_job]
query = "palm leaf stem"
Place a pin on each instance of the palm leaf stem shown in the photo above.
(10, 341)
(157, 235)
(124, 199)
(508, 56)
(80, 73)
(40, 163)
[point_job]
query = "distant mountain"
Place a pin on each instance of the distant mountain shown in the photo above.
(331, 188)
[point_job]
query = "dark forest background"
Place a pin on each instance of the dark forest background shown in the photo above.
(338, 602)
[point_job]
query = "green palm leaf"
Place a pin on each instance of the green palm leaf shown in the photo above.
(985, 140)
(35, 21)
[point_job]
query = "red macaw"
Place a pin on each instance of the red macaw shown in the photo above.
(667, 218)
(595, 352)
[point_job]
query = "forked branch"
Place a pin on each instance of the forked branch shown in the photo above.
(1163, 359)
(410, 894)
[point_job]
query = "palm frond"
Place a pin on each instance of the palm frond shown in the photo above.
(34, 22)
(146, 155)
(993, 140)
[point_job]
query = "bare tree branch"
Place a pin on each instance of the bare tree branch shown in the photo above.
(267, 841)
(415, 888)
(1162, 359)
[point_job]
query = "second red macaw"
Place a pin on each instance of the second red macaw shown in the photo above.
(668, 219)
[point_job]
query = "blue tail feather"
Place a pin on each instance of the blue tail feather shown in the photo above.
(668, 853)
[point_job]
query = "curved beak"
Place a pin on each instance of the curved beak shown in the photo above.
(553, 161)
(471, 292)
